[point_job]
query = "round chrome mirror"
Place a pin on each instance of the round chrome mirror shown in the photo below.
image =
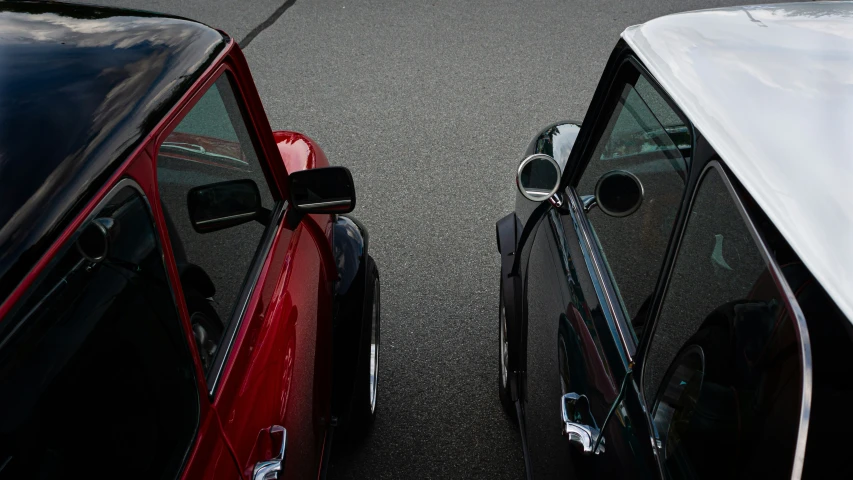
(619, 193)
(538, 177)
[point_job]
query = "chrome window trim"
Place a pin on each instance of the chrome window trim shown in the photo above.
(242, 305)
(794, 309)
(595, 264)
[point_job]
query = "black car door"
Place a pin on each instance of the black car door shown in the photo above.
(591, 273)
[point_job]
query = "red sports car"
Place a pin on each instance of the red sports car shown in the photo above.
(181, 294)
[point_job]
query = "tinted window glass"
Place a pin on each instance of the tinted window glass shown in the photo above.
(95, 375)
(210, 145)
(646, 138)
(723, 372)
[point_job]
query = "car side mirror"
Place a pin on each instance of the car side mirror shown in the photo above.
(322, 190)
(617, 193)
(222, 205)
(538, 177)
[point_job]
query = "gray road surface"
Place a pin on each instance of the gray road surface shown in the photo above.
(431, 104)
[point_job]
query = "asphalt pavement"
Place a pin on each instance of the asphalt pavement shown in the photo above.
(430, 104)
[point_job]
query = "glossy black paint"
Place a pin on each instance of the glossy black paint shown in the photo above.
(556, 140)
(350, 245)
(80, 87)
(351, 242)
(571, 339)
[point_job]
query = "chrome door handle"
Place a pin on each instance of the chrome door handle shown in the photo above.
(269, 469)
(584, 436)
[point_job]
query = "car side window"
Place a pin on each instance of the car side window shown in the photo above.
(210, 145)
(645, 137)
(723, 375)
(96, 374)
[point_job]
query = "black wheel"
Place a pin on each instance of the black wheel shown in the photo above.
(364, 397)
(503, 357)
(206, 324)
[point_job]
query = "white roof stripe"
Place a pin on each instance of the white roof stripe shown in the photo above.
(771, 88)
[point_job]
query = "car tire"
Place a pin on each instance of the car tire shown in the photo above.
(206, 324)
(365, 391)
(503, 374)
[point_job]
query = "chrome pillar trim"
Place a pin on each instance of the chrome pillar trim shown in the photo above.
(794, 310)
(597, 269)
(790, 299)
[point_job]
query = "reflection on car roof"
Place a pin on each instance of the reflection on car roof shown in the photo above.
(80, 87)
(771, 88)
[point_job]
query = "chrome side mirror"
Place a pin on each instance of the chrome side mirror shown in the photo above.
(538, 177)
(617, 193)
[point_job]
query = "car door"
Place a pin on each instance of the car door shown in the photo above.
(590, 280)
(97, 379)
(727, 374)
(258, 293)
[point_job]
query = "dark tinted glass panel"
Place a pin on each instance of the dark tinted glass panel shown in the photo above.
(210, 145)
(96, 379)
(646, 138)
(724, 371)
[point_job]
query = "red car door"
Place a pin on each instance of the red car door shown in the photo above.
(258, 294)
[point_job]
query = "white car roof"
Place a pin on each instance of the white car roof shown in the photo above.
(771, 88)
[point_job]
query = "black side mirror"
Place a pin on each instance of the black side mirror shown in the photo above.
(225, 204)
(322, 190)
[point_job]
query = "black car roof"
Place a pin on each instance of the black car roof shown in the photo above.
(80, 87)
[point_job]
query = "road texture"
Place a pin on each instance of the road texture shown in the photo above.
(430, 104)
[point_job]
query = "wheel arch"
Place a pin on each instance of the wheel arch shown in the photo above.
(350, 245)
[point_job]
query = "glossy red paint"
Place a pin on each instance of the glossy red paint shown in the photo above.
(279, 369)
(299, 152)
(279, 373)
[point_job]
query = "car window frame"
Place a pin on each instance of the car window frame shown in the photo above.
(625, 68)
(262, 253)
(619, 70)
(787, 294)
(126, 180)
